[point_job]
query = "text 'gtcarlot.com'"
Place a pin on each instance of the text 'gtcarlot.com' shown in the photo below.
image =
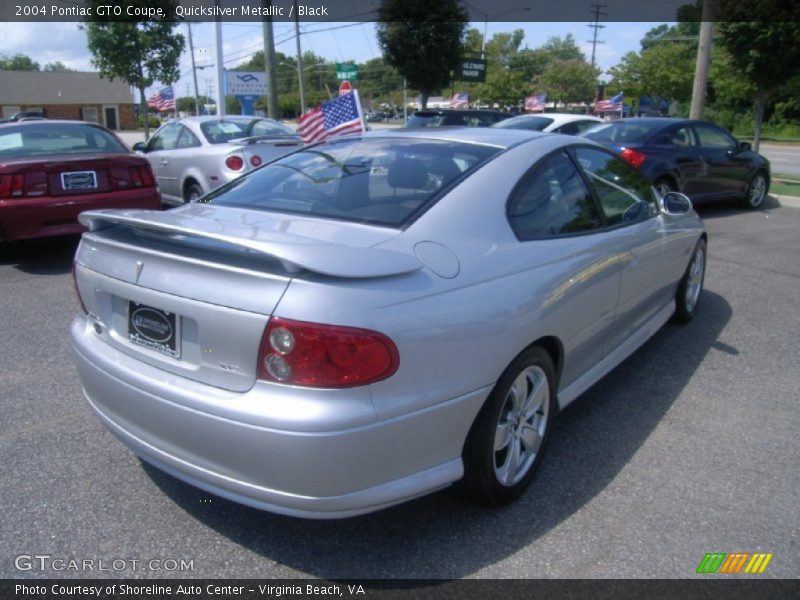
(47, 562)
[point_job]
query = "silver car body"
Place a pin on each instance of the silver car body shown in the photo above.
(182, 155)
(456, 291)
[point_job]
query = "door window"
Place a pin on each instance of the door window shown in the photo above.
(711, 137)
(550, 200)
(186, 139)
(165, 138)
(626, 196)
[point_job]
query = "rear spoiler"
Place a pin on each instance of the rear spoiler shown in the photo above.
(277, 139)
(295, 252)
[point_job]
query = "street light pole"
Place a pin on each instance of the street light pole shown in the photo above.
(299, 60)
(194, 73)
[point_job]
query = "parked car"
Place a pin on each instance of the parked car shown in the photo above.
(698, 158)
(373, 318)
(565, 123)
(51, 170)
(24, 115)
(195, 155)
(375, 117)
(442, 117)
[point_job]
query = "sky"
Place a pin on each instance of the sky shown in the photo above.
(336, 42)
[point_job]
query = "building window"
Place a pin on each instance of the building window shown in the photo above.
(89, 113)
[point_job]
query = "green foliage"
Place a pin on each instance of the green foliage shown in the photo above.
(571, 80)
(57, 66)
(664, 70)
(138, 53)
(186, 103)
(17, 62)
(422, 40)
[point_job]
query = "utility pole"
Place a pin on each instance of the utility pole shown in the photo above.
(269, 64)
(703, 60)
(220, 83)
(596, 25)
(194, 72)
(299, 60)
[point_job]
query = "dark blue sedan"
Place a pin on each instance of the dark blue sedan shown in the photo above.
(697, 158)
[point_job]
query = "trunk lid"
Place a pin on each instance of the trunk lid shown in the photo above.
(191, 290)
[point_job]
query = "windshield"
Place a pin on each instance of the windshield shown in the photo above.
(56, 138)
(524, 122)
(376, 181)
(221, 131)
(623, 131)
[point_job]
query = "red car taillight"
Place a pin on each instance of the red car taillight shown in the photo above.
(131, 177)
(234, 163)
(633, 157)
(12, 186)
(324, 356)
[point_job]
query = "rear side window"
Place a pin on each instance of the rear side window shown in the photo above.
(56, 138)
(376, 181)
(626, 196)
(525, 122)
(622, 132)
(551, 200)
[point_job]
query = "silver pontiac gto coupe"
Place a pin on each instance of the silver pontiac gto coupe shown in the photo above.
(373, 318)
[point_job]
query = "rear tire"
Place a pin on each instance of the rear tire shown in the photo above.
(509, 435)
(756, 192)
(691, 287)
(193, 192)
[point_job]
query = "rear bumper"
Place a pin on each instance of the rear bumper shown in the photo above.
(307, 470)
(23, 218)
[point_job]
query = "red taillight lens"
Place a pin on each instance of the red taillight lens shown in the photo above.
(255, 161)
(147, 176)
(12, 186)
(324, 356)
(633, 157)
(234, 163)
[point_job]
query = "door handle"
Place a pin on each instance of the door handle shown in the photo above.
(164, 163)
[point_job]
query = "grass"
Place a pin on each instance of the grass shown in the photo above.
(785, 185)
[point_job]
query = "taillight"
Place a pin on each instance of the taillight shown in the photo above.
(147, 176)
(139, 177)
(12, 186)
(255, 160)
(324, 356)
(77, 290)
(633, 157)
(234, 163)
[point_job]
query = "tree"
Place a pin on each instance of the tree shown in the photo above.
(17, 62)
(572, 80)
(138, 53)
(57, 66)
(422, 40)
(763, 50)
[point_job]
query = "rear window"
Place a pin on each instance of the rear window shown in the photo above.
(521, 122)
(623, 131)
(56, 138)
(375, 181)
(428, 120)
(219, 132)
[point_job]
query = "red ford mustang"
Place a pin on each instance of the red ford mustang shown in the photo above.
(51, 171)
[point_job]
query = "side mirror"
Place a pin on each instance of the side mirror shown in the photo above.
(745, 146)
(140, 147)
(675, 203)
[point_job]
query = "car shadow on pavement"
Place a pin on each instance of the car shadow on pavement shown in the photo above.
(708, 209)
(445, 535)
(45, 256)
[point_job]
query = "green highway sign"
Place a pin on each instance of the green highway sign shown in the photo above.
(346, 71)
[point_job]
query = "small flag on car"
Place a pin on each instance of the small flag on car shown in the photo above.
(459, 100)
(339, 116)
(535, 103)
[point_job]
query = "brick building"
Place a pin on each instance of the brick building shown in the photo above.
(68, 95)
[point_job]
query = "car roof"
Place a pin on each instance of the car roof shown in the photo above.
(459, 111)
(500, 138)
(47, 122)
(207, 118)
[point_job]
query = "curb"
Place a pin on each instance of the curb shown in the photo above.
(792, 201)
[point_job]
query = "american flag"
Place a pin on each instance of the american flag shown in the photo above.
(535, 103)
(459, 100)
(612, 104)
(163, 99)
(339, 116)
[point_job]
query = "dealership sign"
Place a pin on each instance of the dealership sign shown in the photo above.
(246, 83)
(472, 69)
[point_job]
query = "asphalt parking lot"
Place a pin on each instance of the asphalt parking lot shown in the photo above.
(690, 446)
